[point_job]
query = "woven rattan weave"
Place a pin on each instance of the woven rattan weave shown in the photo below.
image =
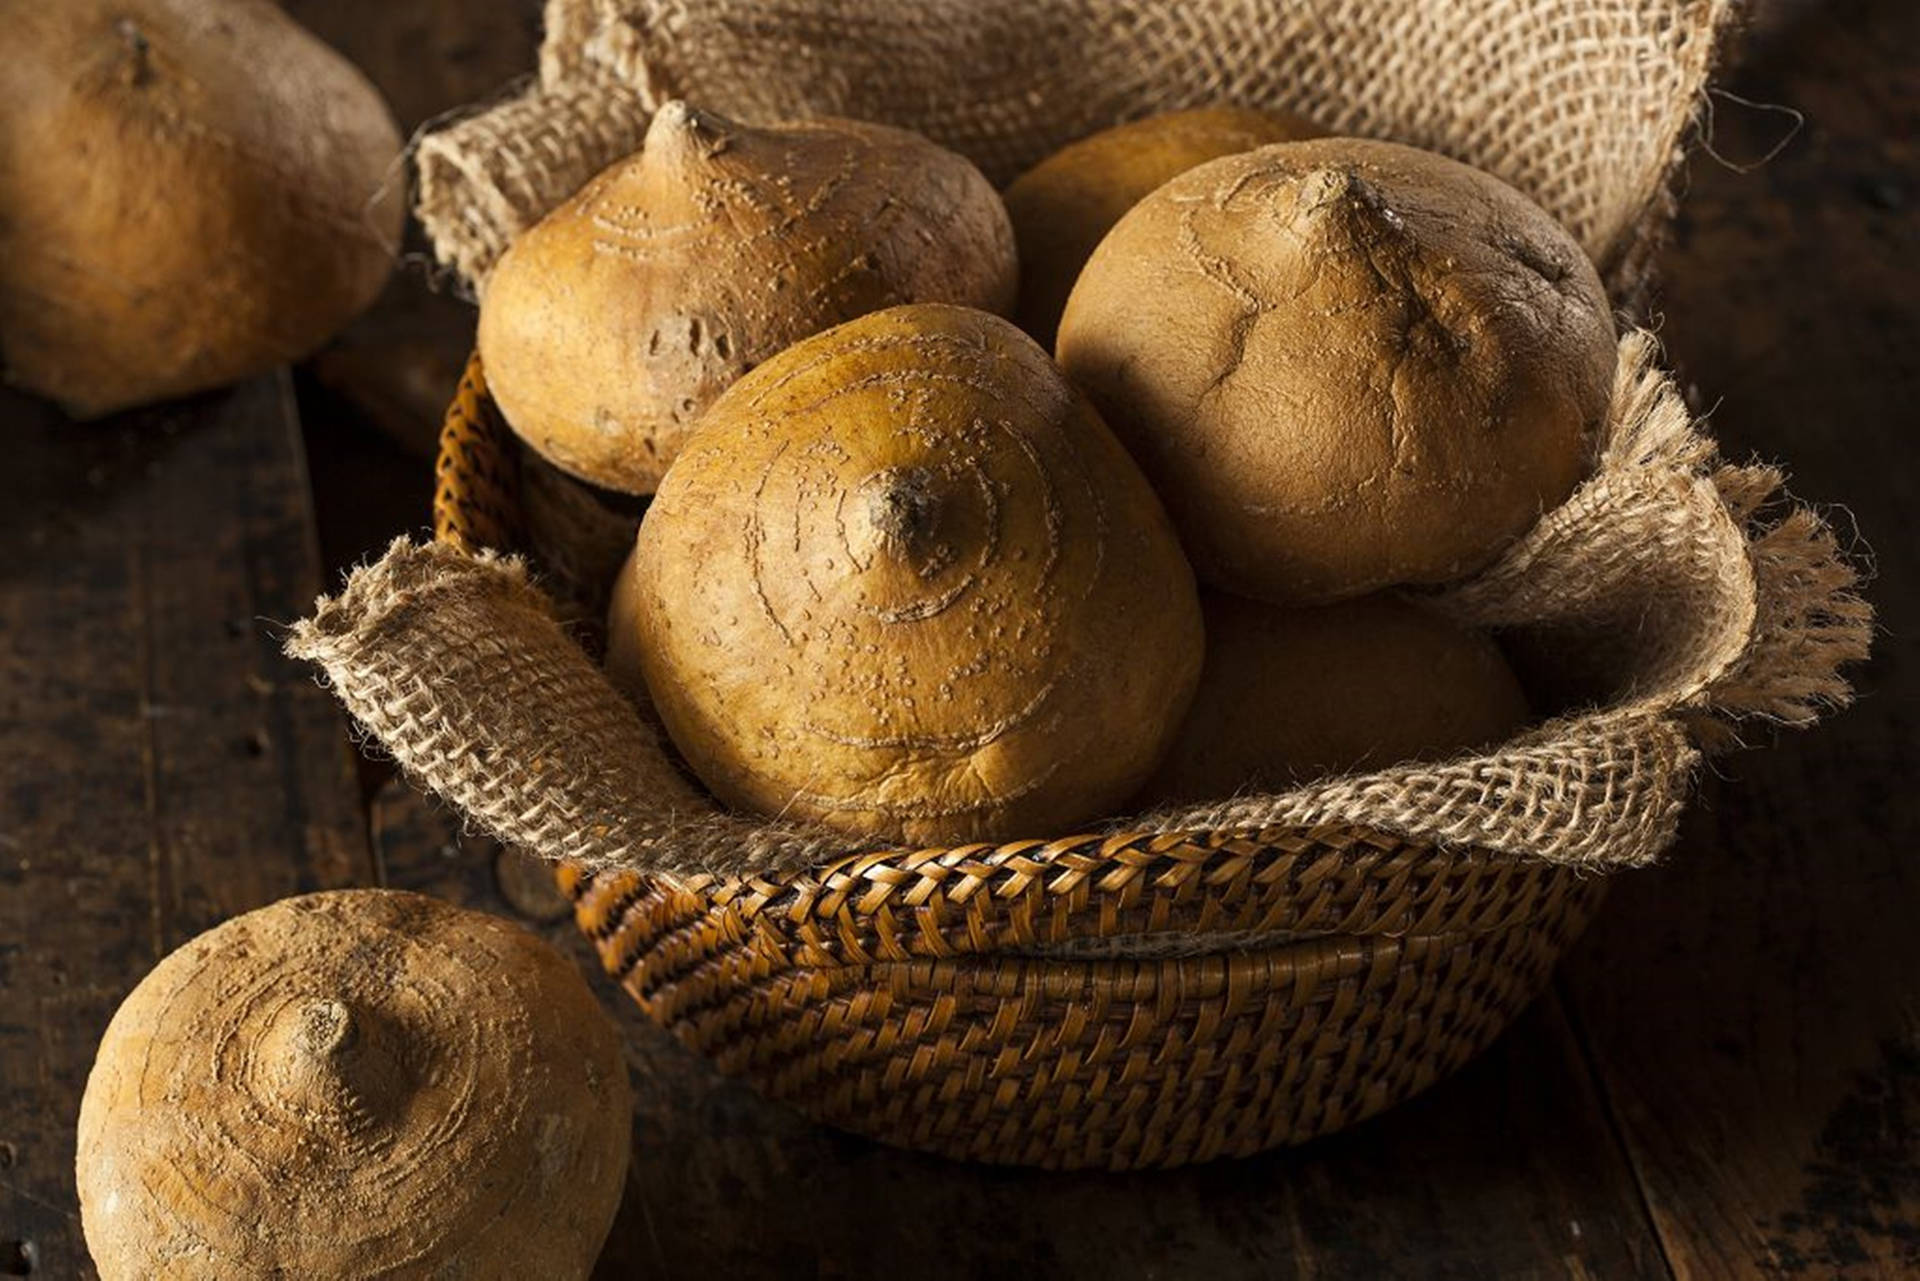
(1112, 1001)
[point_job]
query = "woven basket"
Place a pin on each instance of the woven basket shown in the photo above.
(1241, 974)
(955, 1000)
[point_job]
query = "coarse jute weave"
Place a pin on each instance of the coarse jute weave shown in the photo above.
(1175, 986)
(1582, 104)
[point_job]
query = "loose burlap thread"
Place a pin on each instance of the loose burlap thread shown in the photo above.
(1686, 588)
(1582, 104)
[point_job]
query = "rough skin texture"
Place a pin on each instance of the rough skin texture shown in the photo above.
(1344, 364)
(1290, 695)
(611, 325)
(903, 581)
(355, 1084)
(1063, 206)
(191, 191)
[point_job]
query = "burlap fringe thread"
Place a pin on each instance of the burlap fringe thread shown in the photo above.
(1582, 104)
(1666, 578)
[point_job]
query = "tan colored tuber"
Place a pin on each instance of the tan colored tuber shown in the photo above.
(1063, 206)
(355, 1084)
(904, 582)
(608, 328)
(1289, 695)
(1344, 364)
(191, 191)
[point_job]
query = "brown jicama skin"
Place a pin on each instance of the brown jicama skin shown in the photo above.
(608, 328)
(354, 1084)
(904, 582)
(1064, 205)
(191, 191)
(1289, 695)
(1345, 365)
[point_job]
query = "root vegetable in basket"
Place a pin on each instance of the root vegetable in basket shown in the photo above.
(191, 191)
(359, 1083)
(1063, 206)
(904, 582)
(608, 328)
(1344, 364)
(1289, 695)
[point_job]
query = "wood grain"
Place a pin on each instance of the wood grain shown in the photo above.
(1754, 1004)
(162, 765)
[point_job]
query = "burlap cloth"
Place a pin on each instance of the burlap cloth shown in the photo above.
(1582, 104)
(1674, 598)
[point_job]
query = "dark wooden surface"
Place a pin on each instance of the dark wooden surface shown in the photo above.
(162, 767)
(1724, 1082)
(1753, 1005)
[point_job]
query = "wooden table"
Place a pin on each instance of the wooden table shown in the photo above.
(1723, 1081)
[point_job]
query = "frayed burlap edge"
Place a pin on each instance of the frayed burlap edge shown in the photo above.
(457, 666)
(1664, 569)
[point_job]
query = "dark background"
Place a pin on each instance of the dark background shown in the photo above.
(1724, 1080)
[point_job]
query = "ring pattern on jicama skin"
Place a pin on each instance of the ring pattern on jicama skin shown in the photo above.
(406, 1086)
(888, 580)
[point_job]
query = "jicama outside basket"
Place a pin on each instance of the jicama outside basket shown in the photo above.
(1178, 986)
